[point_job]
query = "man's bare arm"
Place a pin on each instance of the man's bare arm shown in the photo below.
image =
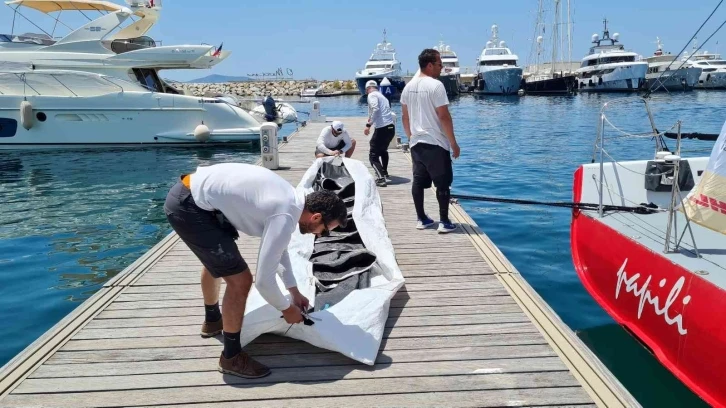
(447, 126)
(406, 124)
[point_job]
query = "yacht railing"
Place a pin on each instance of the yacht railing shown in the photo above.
(660, 146)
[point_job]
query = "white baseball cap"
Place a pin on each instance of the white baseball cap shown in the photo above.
(371, 83)
(338, 126)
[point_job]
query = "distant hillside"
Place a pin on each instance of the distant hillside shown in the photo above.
(215, 79)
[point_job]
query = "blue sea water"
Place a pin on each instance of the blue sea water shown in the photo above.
(71, 220)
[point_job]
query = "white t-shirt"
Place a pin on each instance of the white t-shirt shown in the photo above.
(379, 110)
(422, 95)
(328, 141)
(259, 203)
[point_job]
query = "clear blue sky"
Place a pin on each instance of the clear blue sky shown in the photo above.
(331, 40)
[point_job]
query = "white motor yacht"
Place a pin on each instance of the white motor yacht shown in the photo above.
(65, 108)
(609, 67)
(498, 70)
(450, 75)
(713, 68)
(382, 64)
(113, 46)
(665, 73)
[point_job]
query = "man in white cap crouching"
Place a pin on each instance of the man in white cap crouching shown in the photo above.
(334, 140)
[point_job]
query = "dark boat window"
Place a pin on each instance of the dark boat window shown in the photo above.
(148, 79)
(8, 127)
(132, 44)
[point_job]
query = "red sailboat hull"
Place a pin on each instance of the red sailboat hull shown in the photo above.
(673, 311)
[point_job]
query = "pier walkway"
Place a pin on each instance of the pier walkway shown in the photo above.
(464, 330)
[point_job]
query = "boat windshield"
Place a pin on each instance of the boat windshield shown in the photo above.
(496, 51)
(498, 62)
(59, 83)
(451, 64)
(378, 66)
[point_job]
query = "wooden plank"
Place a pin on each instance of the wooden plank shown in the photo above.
(403, 343)
(476, 282)
(149, 302)
(198, 310)
(190, 325)
(204, 373)
(473, 267)
(179, 292)
(397, 369)
(299, 354)
(222, 391)
(395, 331)
(571, 397)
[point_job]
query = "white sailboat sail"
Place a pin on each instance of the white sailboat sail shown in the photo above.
(706, 203)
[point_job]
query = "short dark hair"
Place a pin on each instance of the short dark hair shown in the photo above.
(427, 56)
(329, 205)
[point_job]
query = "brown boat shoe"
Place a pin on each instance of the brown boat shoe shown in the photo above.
(242, 365)
(211, 329)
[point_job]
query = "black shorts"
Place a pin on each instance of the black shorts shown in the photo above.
(207, 233)
(340, 146)
(382, 137)
(431, 163)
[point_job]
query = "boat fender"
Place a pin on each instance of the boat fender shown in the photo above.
(26, 114)
(201, 133)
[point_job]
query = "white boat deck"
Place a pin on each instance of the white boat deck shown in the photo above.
(650, 231)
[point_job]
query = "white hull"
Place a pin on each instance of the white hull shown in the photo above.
(502, 81)
(125, 119)
(674, 80)
(612, 77)
(712, 80)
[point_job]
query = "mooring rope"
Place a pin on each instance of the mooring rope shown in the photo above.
(641, 209)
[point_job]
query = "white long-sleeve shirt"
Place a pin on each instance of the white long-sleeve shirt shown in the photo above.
(259, 203)
(328, 141)
(379, 110)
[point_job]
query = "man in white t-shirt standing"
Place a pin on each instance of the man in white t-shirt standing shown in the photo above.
(208, 208)
(381, 120)
(334, 140)
(430, 131)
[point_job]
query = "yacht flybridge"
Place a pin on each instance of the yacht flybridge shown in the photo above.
(113, 44)
(59, 91)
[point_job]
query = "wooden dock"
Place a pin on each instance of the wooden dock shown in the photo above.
(464, 330)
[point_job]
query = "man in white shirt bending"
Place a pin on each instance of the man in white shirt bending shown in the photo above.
(430, 131)
(208, 207)
(334, 140)
(381, 120)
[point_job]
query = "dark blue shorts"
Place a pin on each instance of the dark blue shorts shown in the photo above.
(207, 233)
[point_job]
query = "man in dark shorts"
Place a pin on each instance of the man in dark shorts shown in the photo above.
(430, 131)
(208, 207)
(381, 120)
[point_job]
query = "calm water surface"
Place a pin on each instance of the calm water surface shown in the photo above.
(71, 220)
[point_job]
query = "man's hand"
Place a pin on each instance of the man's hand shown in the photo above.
(298, 299)
(455, 150)
(336, 153)
(367, 131)
(292, 314)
